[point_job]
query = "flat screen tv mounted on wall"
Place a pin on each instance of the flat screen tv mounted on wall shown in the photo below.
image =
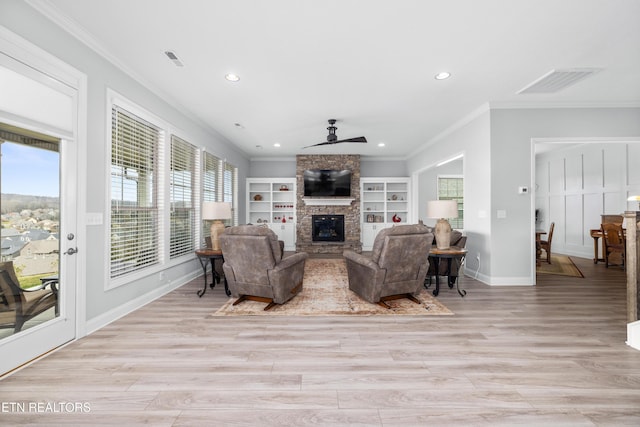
(327, 183)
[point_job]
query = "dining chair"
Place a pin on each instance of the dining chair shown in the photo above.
(546, 244)
(614, 244)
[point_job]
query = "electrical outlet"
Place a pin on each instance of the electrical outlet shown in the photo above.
(162, 276)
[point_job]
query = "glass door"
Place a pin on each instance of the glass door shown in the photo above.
(35, 246)
(38, 206)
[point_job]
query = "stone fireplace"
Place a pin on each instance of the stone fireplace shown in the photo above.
(327, 228)
(330, 207)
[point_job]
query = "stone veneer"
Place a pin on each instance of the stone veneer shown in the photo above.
(351, 212)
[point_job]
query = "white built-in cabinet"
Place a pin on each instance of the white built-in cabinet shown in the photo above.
(384, 202)
(272, 201)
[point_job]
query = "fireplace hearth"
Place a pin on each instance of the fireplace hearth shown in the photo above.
(327, 228)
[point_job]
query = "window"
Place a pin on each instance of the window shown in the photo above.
(210, 168)
(135, 237)
(451, 188)
(182, 185)
(219, 184)
(229, 190)
(157, 186)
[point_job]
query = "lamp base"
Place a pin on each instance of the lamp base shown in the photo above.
(443, 234)
(217, 227)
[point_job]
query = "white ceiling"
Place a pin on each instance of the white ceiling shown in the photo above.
(370, 64)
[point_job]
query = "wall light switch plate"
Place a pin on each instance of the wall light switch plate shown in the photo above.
(94, 218)
(501, 213)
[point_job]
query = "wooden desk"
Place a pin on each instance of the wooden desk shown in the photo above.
(596, 234)
(435, 255)
(204, 255)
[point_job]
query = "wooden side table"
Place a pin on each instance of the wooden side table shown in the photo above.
(204, 255)
(435, 255)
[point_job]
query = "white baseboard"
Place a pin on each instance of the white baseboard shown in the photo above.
(124, 309)
(633, 334)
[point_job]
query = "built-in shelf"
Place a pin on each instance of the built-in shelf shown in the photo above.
(335, 201)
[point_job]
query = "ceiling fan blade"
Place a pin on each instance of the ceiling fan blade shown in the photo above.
(321, 143)
(357, 139)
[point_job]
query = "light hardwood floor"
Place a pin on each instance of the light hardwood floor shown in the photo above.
(551, 354)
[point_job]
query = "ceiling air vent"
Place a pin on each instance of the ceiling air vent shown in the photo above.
(556, 80)
(172, 56)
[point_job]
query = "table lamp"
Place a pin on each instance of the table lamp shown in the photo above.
(442, 209)
(634, 199)
(216, 212)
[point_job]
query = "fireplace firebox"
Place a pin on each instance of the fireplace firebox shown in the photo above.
(327, 228)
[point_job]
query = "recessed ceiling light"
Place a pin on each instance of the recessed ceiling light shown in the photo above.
(258, 146)
(238, 125)
(232, 77)
(381, 144)
(442, 75)
(277, 144)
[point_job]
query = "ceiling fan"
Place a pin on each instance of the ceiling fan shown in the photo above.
(332, 138)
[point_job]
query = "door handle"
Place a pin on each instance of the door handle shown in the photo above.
(71, 251)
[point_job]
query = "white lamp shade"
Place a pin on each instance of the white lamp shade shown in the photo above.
(442, 209)
(633, 199)
(216, 210)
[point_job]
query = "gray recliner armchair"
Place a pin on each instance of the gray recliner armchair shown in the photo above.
(255, 268)
(397, 267)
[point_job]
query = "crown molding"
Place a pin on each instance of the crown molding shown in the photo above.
(551, 105)
(48, 9)
(451, 129)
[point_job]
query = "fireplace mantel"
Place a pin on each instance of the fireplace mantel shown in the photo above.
(331, 201)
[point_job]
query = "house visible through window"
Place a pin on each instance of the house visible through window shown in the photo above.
(135, 242)
(451, 188)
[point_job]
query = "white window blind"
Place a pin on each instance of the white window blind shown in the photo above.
(451, 188)
(210, 171)
(182, 187)
(210, 184)
(134, 196)
(229, 190)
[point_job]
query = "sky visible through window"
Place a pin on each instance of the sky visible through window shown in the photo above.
(29, 171)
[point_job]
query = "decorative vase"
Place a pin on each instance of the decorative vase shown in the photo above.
(396, 218)
(443, 234)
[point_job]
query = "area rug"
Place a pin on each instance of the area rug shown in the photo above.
(561, 265)
(325, 292)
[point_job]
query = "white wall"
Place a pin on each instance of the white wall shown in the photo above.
(575, 184)
(470, 137)
(512, 132)
(498, 156)
(103, 306)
